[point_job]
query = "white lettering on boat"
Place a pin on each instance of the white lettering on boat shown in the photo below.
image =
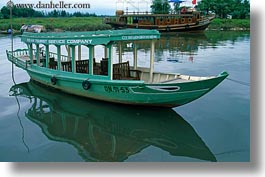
(60, 41)
(56, 41)
(141, 37)
(79, 41)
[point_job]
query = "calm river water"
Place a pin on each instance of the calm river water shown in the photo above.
(41, 124)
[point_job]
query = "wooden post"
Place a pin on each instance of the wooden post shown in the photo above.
(58, 57)
(73, 59)
(79, 52)
(152, 56)
(110, 72)
(134, 56)
(120, 52)
(30, 53)
(91, 62)
(47, 53)
(38, 54)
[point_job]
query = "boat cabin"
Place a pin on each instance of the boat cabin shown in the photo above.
(40, 55)
(145, 18)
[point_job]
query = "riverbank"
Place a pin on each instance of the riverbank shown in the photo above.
(96, 23)
(230, 24)
(58, 24)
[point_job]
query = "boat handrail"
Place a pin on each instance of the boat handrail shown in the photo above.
(17, 61)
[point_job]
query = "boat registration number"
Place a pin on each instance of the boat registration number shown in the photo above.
(116, 89)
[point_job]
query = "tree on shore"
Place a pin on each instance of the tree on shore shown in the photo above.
(238, 9)
(29, 12)
(160, 7)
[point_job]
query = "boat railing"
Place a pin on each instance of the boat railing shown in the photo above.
(64, 58)
(15, 57)
(140, 13)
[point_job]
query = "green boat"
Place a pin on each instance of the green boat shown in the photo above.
(102, 131)
(106, 80)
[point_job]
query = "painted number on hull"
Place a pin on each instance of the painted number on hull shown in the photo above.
(114, 89)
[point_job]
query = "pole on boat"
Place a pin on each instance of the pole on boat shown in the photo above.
(10, 5)
(91, 54)
(79, 52)
(47, 55)
(152, 56)
(120, 52)
(59, 56)
(68, 52)
(110, 67)
(30, 53)
(105, 52)
(38, 54)
(73, 59)
(134, 56)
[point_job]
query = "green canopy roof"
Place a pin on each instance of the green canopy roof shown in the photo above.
(89, 37)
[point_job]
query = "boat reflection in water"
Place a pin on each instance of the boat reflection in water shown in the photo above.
(109, 132)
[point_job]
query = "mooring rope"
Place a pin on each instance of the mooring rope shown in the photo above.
(239, 82)
(10, 5)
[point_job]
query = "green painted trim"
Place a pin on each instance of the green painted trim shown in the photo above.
(90, 48)
(59, 57)
(30, 53)
(110, 66)
(89, 38)
(47, 55)
(73, 58)
(38, 54)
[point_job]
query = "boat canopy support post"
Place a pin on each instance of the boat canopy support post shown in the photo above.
(134, 56)
(120, 52)
(79, 52)
(105, 52)
(91, 56)
(38, 54)
(30, 52)
(152, 56)
(68, 52)
(47, 56)
(110, 67)
(59, 56)
(73, 58)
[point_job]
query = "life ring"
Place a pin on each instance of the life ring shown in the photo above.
(86, 84)
(53, 80)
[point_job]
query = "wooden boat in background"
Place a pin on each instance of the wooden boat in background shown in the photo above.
(102, 131)
(107, 80)
(187, 21)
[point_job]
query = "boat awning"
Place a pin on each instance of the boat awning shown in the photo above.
(176, 1)
(90, 37)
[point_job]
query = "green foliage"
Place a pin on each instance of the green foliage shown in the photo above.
(230, 24)
(160, 7)
(239, 9)
(29, 12)
(59, 23)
